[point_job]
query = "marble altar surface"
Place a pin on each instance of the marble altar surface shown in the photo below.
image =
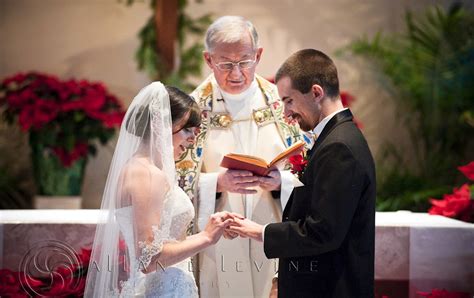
(413, 251)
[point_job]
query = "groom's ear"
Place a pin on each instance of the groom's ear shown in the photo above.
(318, 92)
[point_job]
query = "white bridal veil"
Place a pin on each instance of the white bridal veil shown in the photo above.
(133, 231)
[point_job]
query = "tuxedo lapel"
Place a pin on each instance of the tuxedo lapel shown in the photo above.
(339, 118)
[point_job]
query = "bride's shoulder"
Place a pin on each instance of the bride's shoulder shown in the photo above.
(142, 171)
(141, 166)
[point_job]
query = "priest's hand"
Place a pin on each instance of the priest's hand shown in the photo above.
(270, 182)
(247, 229)
(237, 181)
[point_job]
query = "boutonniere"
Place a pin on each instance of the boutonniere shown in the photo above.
(298, 164)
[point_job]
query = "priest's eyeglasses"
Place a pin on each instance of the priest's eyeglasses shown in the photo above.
(228, 66)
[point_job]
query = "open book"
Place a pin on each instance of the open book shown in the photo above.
(258, 165)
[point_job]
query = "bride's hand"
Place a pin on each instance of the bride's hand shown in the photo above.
(228, 234)
(217, 224)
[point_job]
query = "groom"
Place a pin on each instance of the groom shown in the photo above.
(326, 240)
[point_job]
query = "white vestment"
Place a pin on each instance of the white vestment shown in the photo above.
(239, 267)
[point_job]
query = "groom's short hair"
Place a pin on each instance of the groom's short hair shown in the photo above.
(308, 67)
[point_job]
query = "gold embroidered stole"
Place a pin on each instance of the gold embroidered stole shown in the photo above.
(189, 164)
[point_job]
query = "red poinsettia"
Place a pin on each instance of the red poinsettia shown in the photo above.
(9, 283)
(66, 117)
(459, 204)
(437, 293)
(455, 205)
(85, 256)
(347, 100)
(468, 170)
(66, 157)
(63, 281)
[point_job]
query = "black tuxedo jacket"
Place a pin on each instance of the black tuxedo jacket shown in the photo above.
(326, 239)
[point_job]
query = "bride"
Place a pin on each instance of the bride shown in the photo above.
(142, 249)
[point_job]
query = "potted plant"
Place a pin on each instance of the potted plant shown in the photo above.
(429, 67)
(64, 120)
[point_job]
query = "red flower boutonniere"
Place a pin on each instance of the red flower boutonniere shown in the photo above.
(298, 164)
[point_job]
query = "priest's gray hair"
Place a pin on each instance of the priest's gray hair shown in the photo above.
(230, 29)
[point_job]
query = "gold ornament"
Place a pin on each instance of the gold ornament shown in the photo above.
(225, 120)
(259, 116)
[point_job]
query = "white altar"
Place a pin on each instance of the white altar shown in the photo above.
(428, 251)
(413, 251)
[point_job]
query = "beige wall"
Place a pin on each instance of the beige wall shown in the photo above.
(96, 40)
(93, 39)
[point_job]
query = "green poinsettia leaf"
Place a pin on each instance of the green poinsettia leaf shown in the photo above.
(69, 142)
(79, 116)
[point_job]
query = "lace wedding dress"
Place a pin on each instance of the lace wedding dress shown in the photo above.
(173, 281)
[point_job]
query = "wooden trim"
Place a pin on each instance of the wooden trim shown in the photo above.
(166, 22)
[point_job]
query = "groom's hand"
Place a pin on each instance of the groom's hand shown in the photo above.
(247, 228)
(217, 224)
(228, 234)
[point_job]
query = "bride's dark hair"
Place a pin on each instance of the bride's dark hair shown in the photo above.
(181, 104)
